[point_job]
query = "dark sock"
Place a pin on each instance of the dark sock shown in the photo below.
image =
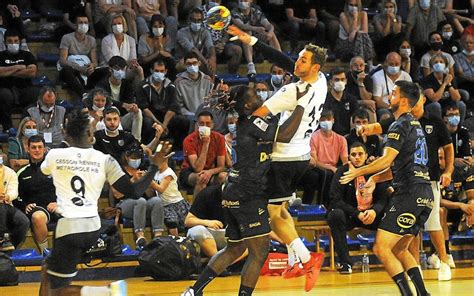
(417, 280)
(446, 243)
(402, 284)
(206, 276)
(245, 291)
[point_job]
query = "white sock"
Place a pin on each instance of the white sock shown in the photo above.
(95, 291)
(300, 250)
(43, 245)
(292, 258)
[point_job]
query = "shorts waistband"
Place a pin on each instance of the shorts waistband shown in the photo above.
(294, 158)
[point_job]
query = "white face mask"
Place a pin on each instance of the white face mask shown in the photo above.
(158, 76)
(95, 108)
(134, 163)
(468, 53)
(326, 125)
(83, 28)
(117, 29)
(425, 4)
(447, 35)
(277, 79)
(195, 27)
(204, 131)
(158, 31)
(13, 48)
(47, 109)
(192, 69)
(353, 9)
(406, 52)
(389, 10)
(263, 95)
(339, 86)
(119, 74)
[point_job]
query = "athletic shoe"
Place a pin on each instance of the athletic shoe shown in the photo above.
(345, 269)
(5, 243)
(433, 261)
(293, 271)
(312, 268)
(444, 272)
(451, 261)
(118, 288)
(190, 292)
(46, 252)
(140, 243)
(251, 69)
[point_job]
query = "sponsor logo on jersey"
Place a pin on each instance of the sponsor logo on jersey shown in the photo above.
(424, 202)
(470, 178)
(393, 136)
(260, 211)
(428, 129)
(406, 220)
(230, 203)
(256, 224)
(261, 124)
(415, 123)
(264, 156)
(393, 209)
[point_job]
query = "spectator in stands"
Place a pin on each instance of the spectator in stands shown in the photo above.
(49, 117)
(192, 85)
(96, 101)
(13, 223)
(253, 21)
(3, 28)
(327, 150)
(459, 136)
(109, 9)
(465, 64)
(18, 145)
(388, 27)
(158, 99)
(340, 102)
(78, 58)
(17, 67)
(352, 205)
(371, 143)
(219, 116)
(353, 38)
(204, 156)
(359, 85)
(11, 16)
(196, 39)
(328, 13)
(423, 18)
(146, 9)
(262, 90)
(175, 206)
(384, 79)
(278, 79)
(452, 10)
(157, 44)
(436, 43)
(409, 63)
(302, 20)
(451, 43)
(37, 193)
(122, 95)
(72, 9)
(119, 43)
(139, 208)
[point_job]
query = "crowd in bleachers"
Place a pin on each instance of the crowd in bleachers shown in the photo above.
(145, 70)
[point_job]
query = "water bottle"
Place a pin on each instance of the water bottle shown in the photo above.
(365, 263)
(423, 260)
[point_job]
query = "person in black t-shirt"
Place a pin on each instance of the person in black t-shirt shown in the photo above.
(459, 135)
(372, 142)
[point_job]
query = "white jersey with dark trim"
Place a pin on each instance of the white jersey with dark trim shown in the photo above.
(284, 102)
(79, 176)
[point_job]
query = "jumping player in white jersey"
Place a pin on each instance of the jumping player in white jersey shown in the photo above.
(79, 173)
(291, 160)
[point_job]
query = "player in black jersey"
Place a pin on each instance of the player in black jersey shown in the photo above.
(412, 199)
(244, 198)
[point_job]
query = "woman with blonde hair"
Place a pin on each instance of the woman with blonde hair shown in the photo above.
(17, 146)
(388, 26)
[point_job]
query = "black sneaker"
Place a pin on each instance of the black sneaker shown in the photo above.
(140, 243)
(5, 243)
(345, 268)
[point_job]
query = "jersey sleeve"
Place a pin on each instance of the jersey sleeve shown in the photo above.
(265, 130)
(113, 171)
(396, 135)
(46, 165)
(283, 100)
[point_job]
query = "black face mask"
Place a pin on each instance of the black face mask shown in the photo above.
(436, 45)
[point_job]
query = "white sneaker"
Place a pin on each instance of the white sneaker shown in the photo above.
(118, 288)
(433, 261)
(190, 292)
(444, 272)
(451, 261)
(251, 69)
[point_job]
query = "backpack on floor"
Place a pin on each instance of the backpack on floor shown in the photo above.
(170, 258)
(8, 272)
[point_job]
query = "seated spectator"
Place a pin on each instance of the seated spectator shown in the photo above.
(196, 39)
(158, 100)
(436, 43)
(122, 95)
(175, 206)
(278, 79)
(119, 43)
(146, 9)
(262, 90)
(388, 26)
(253, 21)
(340, 102)
(359, 85)
(49, 117)
(384, 79)
(192, 85)
(96, 101)
(17, 67)
(302, 20)
(328, 13)
(440, 87)
(155, 45)
(409, 63)
(13, 223)
(465, 64)
(327, 150)
(371, 143)
(140, 209)
(108, 9)
(3, 29)
(459, 136)
(204, 156)
(451, 43)
(219, 115)
(352, 205)
(10, 10)
(73, 8)
(37, 193)
(353, 38)
(18, 145)
(78, 58)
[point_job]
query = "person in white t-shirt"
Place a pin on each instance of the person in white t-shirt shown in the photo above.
(79, 173)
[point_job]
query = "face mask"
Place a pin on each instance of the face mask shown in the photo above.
(389, 10)
(95, 108)
(468, 53)
(195, 27)
(83, 28)
(263, 95)
(244, 5)
(117, 29)
(406, 52)
(47, 109)
(134, 163)
(232, 127)
(277, 79)
(447, 35)
(326, 125)
(439, 67)
(30, 132)
(13, 48)
(424, 4)
(119, 74)
(339, 86)
(353, 9)
(192, 69)
(392, 70)
(158, 31)
(158, 76)
(454, 120)
(436, 45)
(204, 131)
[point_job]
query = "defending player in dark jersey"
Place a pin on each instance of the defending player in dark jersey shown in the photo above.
(244, 198)
(412, 200)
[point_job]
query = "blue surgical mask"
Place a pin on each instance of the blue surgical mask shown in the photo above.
(277, 79)
(30, 132)
(158, 76)
(454, 120)
(326, 125)
(263, 94)
(13, 48)
(232, 127)
(195, 27)
(439, 68)
(134, 163)
(119, 74)
(192, 69)
(425, 4)
(392, 70)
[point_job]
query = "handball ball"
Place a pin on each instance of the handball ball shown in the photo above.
(218, 18)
